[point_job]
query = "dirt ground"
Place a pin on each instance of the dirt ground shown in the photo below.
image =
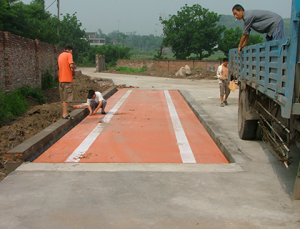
(38, 117)
(196, 74)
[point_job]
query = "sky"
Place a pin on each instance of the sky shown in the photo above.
(142, 16)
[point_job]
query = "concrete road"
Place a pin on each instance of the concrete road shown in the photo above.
(255, 192)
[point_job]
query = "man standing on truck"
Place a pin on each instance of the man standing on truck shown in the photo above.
(262, 21)
(222, 75)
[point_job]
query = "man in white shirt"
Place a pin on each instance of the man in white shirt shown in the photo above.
(222, 75)
(96, 101)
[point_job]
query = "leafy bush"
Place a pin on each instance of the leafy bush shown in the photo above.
(12, 104)
(32, 92)
(124, 69)
(112, 64)
(48, 80)
(231, 39)
(112, 55)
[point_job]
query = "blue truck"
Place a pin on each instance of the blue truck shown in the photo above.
(269, 92)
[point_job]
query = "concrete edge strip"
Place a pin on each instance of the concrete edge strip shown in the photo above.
(129, 167)
(230, 150)
(36, 145)
(183, 144)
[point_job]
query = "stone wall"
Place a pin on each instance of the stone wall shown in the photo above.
(169, 65)
(23, 61)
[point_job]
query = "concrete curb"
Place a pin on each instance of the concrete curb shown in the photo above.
(39, 143)
(230, 150)
(130, 167)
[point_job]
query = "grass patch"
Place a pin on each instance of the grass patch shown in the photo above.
(149, 55)
(86, 64)
(48, 80)
(27, 91)
(193, 69)
(130, 70)
(14, 104)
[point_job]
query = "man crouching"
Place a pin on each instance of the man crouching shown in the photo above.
(96, 101)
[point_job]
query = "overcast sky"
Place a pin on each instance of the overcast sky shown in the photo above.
(142, 16)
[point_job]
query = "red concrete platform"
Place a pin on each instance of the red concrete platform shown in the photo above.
(141, 126)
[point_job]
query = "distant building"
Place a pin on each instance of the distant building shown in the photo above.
(94, 40)
(91, 34)
(97, 41)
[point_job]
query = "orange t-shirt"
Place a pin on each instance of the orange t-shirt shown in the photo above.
(65, 72)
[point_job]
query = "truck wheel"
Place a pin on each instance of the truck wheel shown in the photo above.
(246, 128)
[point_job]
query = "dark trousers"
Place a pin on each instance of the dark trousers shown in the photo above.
(94, 105)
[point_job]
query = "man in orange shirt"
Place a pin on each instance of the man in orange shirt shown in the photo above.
(65, 65)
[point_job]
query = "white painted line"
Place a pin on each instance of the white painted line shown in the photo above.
(186, 152)
(88, 141)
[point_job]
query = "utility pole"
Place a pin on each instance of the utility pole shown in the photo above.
(118, 32)
(58, 16)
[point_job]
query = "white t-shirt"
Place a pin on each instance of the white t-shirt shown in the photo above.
(98, 98)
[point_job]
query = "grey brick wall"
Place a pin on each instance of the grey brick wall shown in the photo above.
(23, 61)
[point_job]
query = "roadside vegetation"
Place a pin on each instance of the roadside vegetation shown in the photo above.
(14, 103)
(131, 70)
(48, 80)
(194, 69)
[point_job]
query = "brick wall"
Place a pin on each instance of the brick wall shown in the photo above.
(2, 71)
(169, 65)
(23, 61)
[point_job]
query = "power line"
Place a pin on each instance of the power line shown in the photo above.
(50, 5)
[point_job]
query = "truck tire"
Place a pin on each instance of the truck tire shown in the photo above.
(246, 128)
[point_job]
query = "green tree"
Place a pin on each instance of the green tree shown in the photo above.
(108, 40)
(100, 34)
(37, 23)
(7, 16)
(231, 39)
(158, 55)
(193, 30)
(70, 33)
(30, 21)
(118, 37)
(111, 53)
